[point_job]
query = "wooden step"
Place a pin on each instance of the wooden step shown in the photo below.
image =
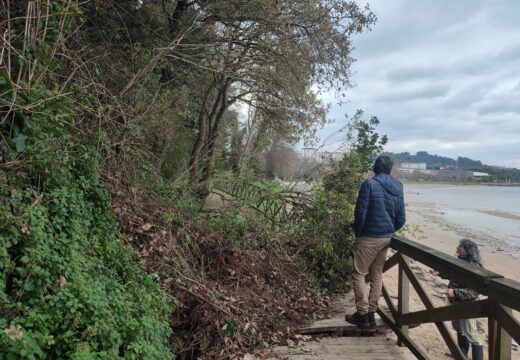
(338, 326)
(362, 348)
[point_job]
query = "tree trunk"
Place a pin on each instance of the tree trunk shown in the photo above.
(253, 126)
(207, 124)
(201, 136)
(207, 175)
(174, 19)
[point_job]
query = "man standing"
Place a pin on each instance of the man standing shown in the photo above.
(379, 213)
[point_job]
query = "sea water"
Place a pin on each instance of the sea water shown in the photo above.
(464, 205)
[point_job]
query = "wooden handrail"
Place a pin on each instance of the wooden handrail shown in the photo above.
(505, 291)
(448, 339)
(503, 295)
(467, 274)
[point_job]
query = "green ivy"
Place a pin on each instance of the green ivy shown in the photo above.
(69, 288)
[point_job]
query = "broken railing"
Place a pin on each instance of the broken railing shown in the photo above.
(503, 295)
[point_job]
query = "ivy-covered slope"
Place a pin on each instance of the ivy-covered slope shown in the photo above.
(69, 287)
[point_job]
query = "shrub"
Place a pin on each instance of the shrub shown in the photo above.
(327, 239)
(69, 288)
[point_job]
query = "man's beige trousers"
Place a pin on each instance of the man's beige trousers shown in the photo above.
(369, 258)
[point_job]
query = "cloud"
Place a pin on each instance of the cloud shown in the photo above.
(427, 91)
(414, 73)
(502, 106)
(441, 76)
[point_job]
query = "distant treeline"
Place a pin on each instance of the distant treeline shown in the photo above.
(436, 162)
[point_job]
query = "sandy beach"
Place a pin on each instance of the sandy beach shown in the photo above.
(424, 225)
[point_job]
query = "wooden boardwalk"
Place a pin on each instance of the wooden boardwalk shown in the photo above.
(344, 340)
(362, 348)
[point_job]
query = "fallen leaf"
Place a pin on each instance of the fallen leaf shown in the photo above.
(24, 229)
(14, 332)
(146, 227)
(63, 281)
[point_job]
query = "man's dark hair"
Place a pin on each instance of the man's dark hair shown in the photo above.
(383, 164)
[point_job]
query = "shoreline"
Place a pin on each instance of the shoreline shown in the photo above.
(502, 214)
(426, 225)
(431, 210)
(447, 183)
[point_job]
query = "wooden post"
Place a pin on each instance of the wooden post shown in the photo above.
(499, 339)
(492, 337)
(403, 297)
(504, 340)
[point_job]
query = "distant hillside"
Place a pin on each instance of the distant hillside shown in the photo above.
(461, 163)
(432, 161)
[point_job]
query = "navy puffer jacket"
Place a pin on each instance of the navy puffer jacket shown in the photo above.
(379, 207)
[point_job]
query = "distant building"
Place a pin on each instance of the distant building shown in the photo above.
(321, 156)
(333, 155)
(407, 173)
(418, 171)
(309, 152)
(454, 175)
(414, 166)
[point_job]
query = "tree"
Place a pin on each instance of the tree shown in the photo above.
(282, 162)
(269, 54)
(365, 145)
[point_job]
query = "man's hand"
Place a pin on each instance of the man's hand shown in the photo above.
(450, 293)
(434, 272)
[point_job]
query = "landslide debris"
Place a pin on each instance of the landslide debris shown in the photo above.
(231, 301)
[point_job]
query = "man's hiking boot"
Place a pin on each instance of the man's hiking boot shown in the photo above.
(372, 319)
(358, 319)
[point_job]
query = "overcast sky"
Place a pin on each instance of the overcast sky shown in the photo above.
(442, 76)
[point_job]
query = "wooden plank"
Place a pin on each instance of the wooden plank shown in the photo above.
(507, 326)
(389, 302)
(467, 310)
(391, 262)
(467, 274)
(367, 348)
(505, 291)
(405, 339)
(507, 321)
(340, 327)
(492, 339)
(446, 335)
(403, 296)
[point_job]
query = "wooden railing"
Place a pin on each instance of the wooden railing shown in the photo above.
(503, 295)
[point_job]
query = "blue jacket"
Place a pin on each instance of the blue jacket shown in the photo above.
(379, 207)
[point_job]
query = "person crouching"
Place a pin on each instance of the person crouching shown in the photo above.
(467, 332)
